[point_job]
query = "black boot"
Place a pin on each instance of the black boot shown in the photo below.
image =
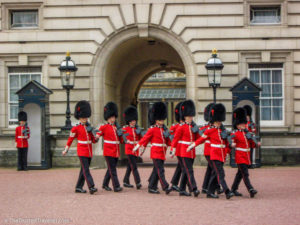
(211, 195)
(236, 193)
(204, 191)
(196, 193)
(220, 190)
(138, 186)
(229, 194)
(175, 188)
(253, 192)
(118, 189)
(93, 190)
(106, 188)
(168, 190)
(184, 193)
(79, 190)
(127, 185)
(153, 191)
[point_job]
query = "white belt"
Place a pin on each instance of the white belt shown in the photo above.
(84, 142)
(243, 149)
(185, 142)
(22, 137)
(218, 146)
(207, 142)
(132, 142)
(159, 145)
(112, 142)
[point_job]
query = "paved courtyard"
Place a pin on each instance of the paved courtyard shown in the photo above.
(47, 197)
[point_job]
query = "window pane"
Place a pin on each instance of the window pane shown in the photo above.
(24, 19)
(265, 113)
(276, 90)
(12, 96)
(14, 111)
(265, 15)
(277, 102)
(254, 76)
(276, 76)
(36, 77)
(277, 113)
(266, 102)
(14, 81)
(265, 76)
(266, 90)
(25, 78)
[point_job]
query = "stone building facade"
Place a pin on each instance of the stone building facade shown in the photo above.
(118, 44)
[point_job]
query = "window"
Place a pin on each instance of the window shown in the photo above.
(270, 78)
(24, 19)
(17, 78)
(265, 15)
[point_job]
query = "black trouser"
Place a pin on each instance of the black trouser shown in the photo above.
(84, 174)
(217, 177)
(188, 174)
(131, 167)
(208, 174)
(111, 172)
(158, 174)
(251, 155)
(177, 173)
(242, 173)
(22, 158)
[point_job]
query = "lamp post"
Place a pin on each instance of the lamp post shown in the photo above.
(67, 70)
(214, 68)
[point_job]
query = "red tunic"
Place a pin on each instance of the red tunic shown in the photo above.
(84, 140)
(132, 140)
(218, 146)
(173, 130)
(20, 138)
(184, 136)
(111, 146)
(159, 143)
(207, 142)
(242, 149)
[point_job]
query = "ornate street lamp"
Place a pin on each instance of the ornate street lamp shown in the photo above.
(67, 70)
(214, 68)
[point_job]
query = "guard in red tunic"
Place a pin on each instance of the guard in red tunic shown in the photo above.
(251, 127)
(83, 132)
(185, 135)
(178, 170)
(209, 168)
(217, 135)
(242, 141)
(159, 136)
(112, 135)
(131, 137)
(21, 138)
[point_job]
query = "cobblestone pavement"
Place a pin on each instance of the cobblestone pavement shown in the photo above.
(47, 197)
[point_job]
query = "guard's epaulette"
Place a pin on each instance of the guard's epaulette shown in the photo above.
(125, 126)
(152, 126)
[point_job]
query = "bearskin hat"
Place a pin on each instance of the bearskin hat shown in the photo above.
(110, 109)
(150, 117)
(218, 113)
(158, 112)
(177, 112)
(82, 109)
(130, 114)
(22, 116)
(188, 109)
(248, 110)
(207, 111)
(238, 117)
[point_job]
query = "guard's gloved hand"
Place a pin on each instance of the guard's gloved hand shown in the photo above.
(136, 148)
(172, 152)
(191, 146)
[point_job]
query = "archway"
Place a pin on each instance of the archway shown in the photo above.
(126, 60)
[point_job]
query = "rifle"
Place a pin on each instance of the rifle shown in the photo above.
(26, 130)
(120, 132)
(195, 128)
(140, 131)
(91, 129)
(166, 133)
(252, 136)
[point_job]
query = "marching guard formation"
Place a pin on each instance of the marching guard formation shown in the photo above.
(182, 138)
